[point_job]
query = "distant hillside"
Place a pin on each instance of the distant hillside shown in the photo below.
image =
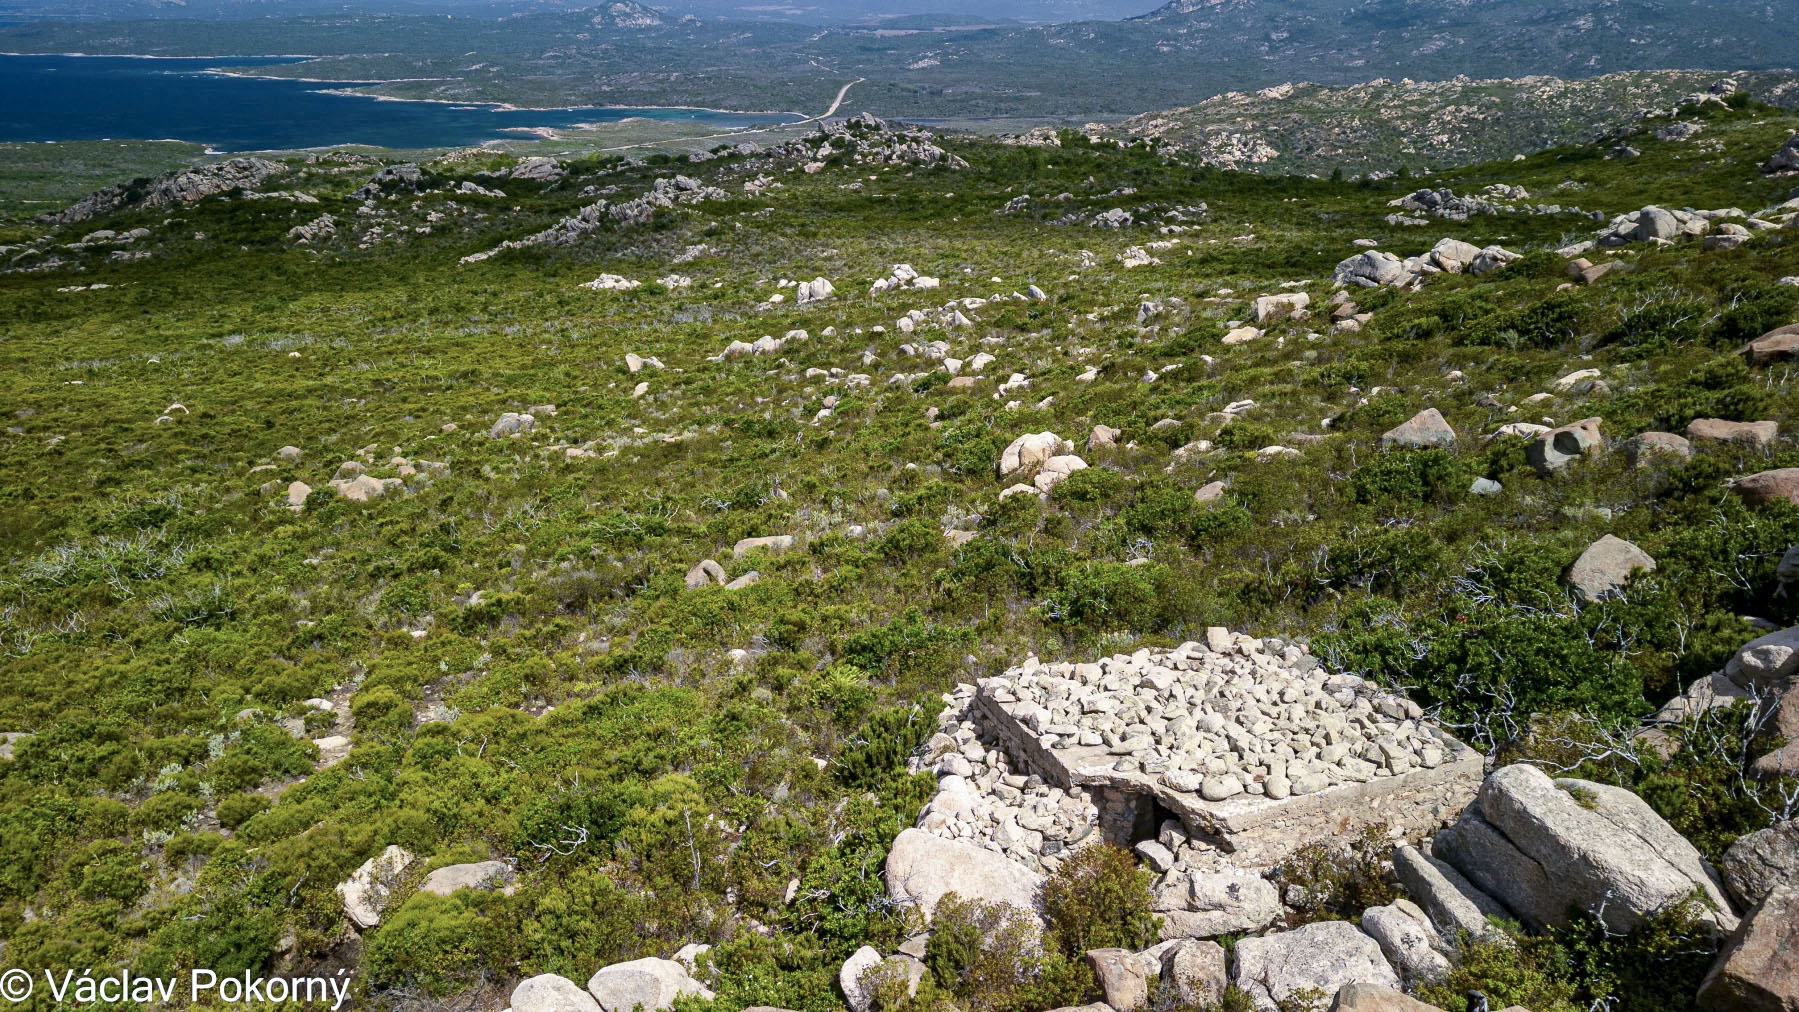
(1177, 55)
(1382, 124)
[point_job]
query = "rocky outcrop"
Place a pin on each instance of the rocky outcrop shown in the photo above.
(538, 169)
(1209, 904)
(1321, 957)
(1541, 846)
(1408, 940)
(1786, 159)
(183, 186)
(922, 869)
(1453, 904)
(1196, 972)
(1121, 977)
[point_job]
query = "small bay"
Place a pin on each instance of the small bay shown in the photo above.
(65, 98)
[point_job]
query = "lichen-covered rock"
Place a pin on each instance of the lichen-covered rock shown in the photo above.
(1321, 957)
(1540, 846)
(1759, 862)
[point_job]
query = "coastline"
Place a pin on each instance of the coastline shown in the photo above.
(348, 88)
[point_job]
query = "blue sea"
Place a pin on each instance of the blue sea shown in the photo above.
(62, 98)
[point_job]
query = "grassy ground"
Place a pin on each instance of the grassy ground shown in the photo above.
(508, 641)
(47, 177)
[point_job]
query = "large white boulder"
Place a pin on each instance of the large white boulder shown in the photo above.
(547, 992)
(1198, 904)
(651, 982)
(1032, 450)
(922, 869)
(1604, 568)
(1540, 846)
(479, 875)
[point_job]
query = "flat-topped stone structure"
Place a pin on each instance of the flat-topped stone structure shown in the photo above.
(1251, 744)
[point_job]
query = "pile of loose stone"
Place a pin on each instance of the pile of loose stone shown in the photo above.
(1231, 716)
(982, 799)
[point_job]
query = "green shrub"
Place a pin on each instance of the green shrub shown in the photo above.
(983, 954)
(236, 809)
(1410, 478)
(440, 944)
(1100, 898)
(1339, 881)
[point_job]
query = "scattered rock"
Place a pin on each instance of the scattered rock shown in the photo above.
(705, 573)
(1778, 345)
(1757, 434)
(1554, 450)
(1604, 568)
(482, 875)
(1425, 429)
(1766, 660)
(849, 977)
(366, 891)
(1275, 308)
(772, 544)
(1781, 484)
(1031, 450)
(1643, 447)
(512, 423)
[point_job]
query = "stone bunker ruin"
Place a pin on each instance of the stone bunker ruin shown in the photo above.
(1251, 744)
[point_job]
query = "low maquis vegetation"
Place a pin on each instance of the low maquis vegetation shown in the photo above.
(325, 534)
